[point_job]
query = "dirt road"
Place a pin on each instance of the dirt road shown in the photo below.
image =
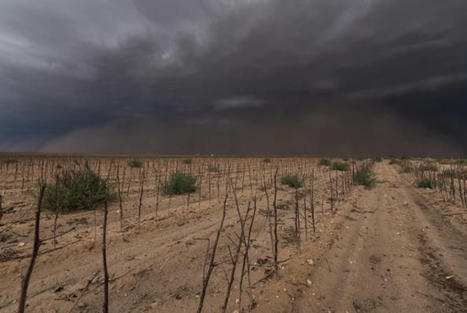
(394, 254)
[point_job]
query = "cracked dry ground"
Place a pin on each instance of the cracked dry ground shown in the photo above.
(385, 250)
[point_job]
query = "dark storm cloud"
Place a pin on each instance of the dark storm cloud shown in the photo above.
(244, 76)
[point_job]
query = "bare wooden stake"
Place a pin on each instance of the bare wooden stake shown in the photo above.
(105, 306)
(297, 222)
(35, 251)
(158, 187)
(312, 200)
(213, 256)
(276, 238)
(246, 266)
(119, 193)
(1, 208)
(140, 203)
(268, 213)
(234, 258)
(55, 229)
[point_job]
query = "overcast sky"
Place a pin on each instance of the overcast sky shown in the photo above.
(234, 76)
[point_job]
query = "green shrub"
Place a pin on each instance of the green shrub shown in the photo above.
(10, 161)
(406, 167)
(187, 161)
(443, 161)
(340, 166)
(379, 159)
(267, 160)
(135, 163)
(365, 177)
(213, 168)
(455, 173)
(179, 184)
(428, 167)
(291, 181)
(324, 162)
(424, 183)
(289, 235)
(461, 161)
(77, 190)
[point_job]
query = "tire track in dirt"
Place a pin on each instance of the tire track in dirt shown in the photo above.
(385, 259)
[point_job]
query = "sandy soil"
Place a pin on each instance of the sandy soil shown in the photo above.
(394, 254)
(387, 249)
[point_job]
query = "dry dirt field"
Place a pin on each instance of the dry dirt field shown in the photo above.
(390, 248)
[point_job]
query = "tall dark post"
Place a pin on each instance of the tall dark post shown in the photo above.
(105, 306)
(35, 251)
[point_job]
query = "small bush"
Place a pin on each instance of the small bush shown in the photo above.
(213, 168)
(392, 161)
(365, 177)
(461, 161)
(424, 183)
(443, 161)
(135, 163)
(179, 184)
(291, 181)
(267, 160)
(187, 161)
(379, 159)
(324, 162)
(6, 254)
(289, 236)
(77, 190)
(340, 166)
(10, 161)
(460, 173)
(428, 167)
(406, 167)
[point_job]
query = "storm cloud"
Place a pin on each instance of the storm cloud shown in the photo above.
(234, 76)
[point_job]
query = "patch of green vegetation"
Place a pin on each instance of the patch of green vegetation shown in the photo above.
(179, 184)
(213, 168)
(289, 235)
(443, 161)
(324, 162)
(378, 159)
(135, 163)
(424, 183)
(455, 173)
(461, 162)
(77, 190)
(365, 177)
(406, 167)
(187, 161)
(429, 166)
(10, 161)
(340, 166)
(292, 181)
(267, 160)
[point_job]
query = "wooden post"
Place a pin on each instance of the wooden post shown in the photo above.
(105, 306)
(35, 251)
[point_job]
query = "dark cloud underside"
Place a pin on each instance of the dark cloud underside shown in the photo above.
(238, 76)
